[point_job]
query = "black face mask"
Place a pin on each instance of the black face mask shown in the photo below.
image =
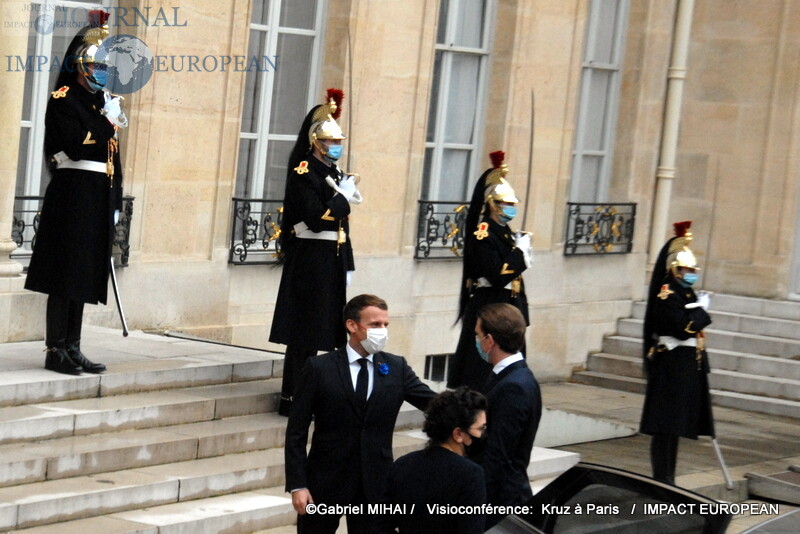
(476, 448)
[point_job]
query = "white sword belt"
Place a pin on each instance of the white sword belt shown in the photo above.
(302, 231)
(63, 162)
(671, 342)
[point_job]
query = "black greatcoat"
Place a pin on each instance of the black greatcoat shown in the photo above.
(311, 296)
(73, 244)
(677, 401)
(496, 259)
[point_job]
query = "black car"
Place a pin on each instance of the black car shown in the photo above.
(592, 498)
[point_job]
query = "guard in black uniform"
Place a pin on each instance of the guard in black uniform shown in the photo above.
(677, 402)
(315, 243)
(71, 256)
(494, 259)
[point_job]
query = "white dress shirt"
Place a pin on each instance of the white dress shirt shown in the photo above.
(505, 362)
(355, 367)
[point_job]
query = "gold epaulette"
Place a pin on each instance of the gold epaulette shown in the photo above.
(482, 232)
(61, 93)
(302, 168)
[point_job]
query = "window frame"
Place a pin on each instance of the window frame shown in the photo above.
(433, 178)
(262, 103)
(586, 112)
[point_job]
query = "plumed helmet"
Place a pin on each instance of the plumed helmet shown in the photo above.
(324, 125)
(497, 187)
(93, 38)
(680, 255)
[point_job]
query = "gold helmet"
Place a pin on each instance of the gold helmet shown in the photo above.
(87, 52)
(497, 188)
(323, 123)
(680, 255)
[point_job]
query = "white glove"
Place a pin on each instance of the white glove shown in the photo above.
(349, 278)
(523, 242)
(346, 188)
(704, 299)
(116, 216)
(113, 111)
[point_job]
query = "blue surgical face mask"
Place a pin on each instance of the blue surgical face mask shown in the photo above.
(484, 356)
(689, 278)
(99, 77)
(335, 152)
(507, 213)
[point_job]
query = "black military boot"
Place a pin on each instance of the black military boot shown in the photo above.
(59, 361)
(77, 356)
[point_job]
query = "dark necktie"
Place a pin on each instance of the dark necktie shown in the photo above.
(362, 382)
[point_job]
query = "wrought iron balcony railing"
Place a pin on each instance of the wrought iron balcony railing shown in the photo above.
(255, 227)
(26, 223)
(599, 228)
(440, 232)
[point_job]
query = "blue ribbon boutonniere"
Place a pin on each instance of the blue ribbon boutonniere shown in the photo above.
(383, 369)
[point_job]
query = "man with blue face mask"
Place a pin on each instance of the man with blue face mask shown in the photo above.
(316, 251)
(515, 407)
(495, 256)
(677, 401)
(353, 396)
(70, 262)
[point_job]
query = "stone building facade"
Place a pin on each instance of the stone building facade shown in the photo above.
(687, 109)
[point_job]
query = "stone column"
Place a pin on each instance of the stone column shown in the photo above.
(13, 42)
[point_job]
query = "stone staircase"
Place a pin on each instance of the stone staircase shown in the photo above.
(179, 436)
(753, 348)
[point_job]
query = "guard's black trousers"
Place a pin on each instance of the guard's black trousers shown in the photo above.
(664, 457)
(64, 319)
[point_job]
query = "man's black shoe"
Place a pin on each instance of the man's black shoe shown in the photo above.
(59, 361)
(77, 356)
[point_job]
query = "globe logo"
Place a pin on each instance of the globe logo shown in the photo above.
(44, 24)
(130, 63)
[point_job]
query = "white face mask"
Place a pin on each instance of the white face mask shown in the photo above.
(376, 340)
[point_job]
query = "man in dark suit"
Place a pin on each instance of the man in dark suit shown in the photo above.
(353, 395)
(515, 407)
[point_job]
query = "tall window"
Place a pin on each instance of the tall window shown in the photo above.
(455, 119)
(276, 101)
(599, 99)
(53, 24)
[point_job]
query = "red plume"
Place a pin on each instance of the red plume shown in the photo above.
(681, 228)
(497, 158)
(338, 96)
(98, 18)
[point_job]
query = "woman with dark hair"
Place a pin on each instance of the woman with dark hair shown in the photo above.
(440, 478)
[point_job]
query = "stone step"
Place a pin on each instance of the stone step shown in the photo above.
(97, 453)
(136, 411)
(720, 358)
(240, 513)
(149, 363)
(740, 323)
(610, 381)
(55, 501)
(744, 306)
(721, 378)
(729, 399)
(734, 341)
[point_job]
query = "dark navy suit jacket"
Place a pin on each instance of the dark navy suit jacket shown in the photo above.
(515, 407)
(351, 447)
